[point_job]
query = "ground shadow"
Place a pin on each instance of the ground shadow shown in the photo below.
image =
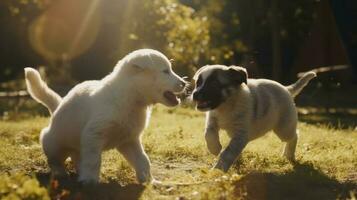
(338, 120)
(304, 182)
(69, 188)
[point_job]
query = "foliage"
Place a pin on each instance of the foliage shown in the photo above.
(168, 26)
(20, 186)
(189, 41)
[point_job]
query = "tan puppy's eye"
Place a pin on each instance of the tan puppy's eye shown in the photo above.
(166, 71)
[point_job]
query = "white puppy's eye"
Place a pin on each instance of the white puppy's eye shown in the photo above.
(166, 71)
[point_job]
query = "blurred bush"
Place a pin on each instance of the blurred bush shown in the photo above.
(21, 186)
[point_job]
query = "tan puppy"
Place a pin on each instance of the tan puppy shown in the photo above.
(246, 109)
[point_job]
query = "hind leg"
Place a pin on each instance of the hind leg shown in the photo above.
(290, 147)
(55, 155)
(285, 129)
(57, 167)
(290, 137)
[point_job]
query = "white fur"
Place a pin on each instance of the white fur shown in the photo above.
(40, 91)
(103, 114)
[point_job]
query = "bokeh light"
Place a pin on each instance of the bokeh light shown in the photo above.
(66, 29)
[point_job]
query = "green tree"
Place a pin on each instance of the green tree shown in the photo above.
(166, 25)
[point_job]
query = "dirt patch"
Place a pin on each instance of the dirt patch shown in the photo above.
(169, 169)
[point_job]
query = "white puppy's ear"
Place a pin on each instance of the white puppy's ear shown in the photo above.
(238, 74)
(141, 62)
(137, 67)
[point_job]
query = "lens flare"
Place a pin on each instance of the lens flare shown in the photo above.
(67, 28)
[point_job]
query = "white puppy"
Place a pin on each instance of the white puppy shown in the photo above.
(246, 109)
(104, 114)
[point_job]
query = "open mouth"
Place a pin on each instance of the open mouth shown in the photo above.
(171, 98)
(201, 105)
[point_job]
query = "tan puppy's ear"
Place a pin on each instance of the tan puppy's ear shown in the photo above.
(195, 77)
(238, 74)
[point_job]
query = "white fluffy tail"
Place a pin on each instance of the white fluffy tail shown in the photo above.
(296, 88)
(39, 90)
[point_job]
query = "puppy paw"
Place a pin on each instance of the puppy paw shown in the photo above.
(87, 182)
(87, 187)
(156, 182)
(221, 165)
(291, 159)
(289, 156)
(214, 147)
(146, 179)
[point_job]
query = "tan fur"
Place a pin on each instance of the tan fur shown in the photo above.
(251, 111)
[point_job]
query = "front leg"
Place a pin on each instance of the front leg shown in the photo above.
(137, 158)
(212, 135)
(90, 155)
(232, 151)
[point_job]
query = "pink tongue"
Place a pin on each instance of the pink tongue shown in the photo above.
(202, 103)
(171, 97)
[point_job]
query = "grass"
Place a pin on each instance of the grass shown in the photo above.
(174, 141)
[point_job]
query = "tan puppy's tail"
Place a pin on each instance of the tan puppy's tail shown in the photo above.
(296, 88)
(39, 90)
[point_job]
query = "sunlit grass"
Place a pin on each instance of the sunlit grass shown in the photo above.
(175, 144)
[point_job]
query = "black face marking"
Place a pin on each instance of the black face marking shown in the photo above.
(209, 95)
(237, 75)
(217, 87)
(199, 81)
